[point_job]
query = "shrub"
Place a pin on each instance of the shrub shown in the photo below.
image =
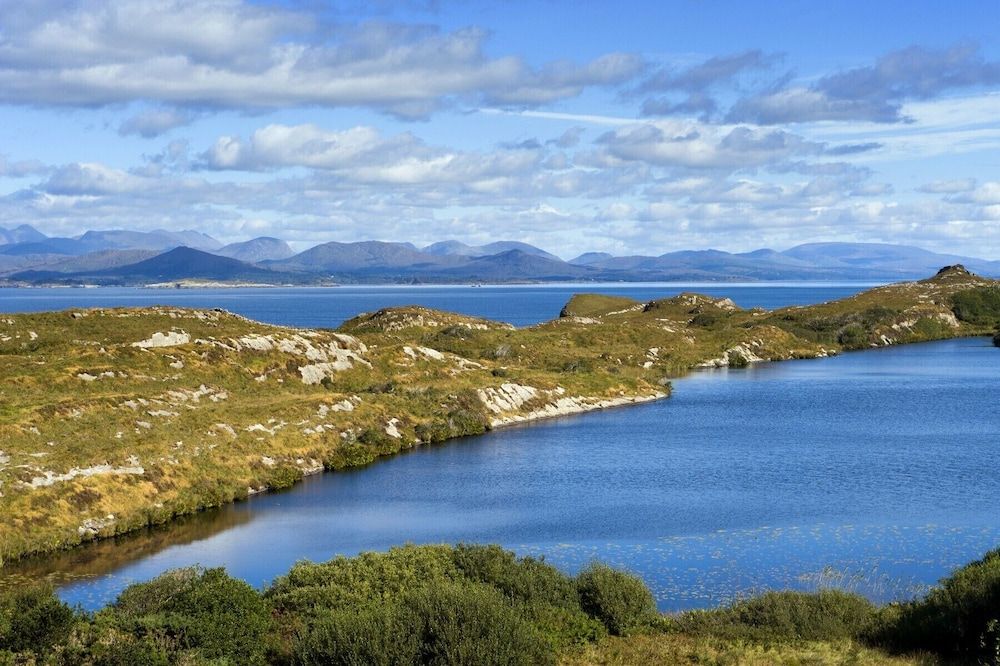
(101, 644)
(737, 360)
(706, 319)
(349, 454)
(370, 636)
(821, 616)
(460, 422)
(204, 610)
(853, 336)
(618, 599)
(283, 476)
(472, 625)
(33, 618)
(433, 432)
(544, 594)
(312, 589)
(379, 440)
(464, 421)
(980, 306)
(524, 579)
(440, 623)
(957, 619)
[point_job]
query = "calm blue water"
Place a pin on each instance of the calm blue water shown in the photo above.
(874, 471)
(521, 305)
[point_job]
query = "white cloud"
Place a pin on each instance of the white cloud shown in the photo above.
(93, 179)
(230, 53)
(948, 186)
(154, 122)
(20, 168)
(699, 145)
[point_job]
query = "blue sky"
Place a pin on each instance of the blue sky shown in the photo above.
(628, 127)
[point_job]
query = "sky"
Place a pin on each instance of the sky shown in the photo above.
(625, 127)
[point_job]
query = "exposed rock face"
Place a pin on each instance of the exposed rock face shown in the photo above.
(741, 354)
(317, 372)
(49, 478)
(506, 398)
(957, 269)
(426, 352)
(93, 526)
(169, 339)
(508, 402)
(565, 406)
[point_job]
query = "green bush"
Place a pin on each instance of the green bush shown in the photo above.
(958, 619)
(471, 625)
(822, 616)
(441, 623)
(201, 610)
(737, 360)
(33, 618)
(524, 579)
(283, 476)
(373, 635)
(853, 336)
(706, 319)
(545, 595)
(311, 589)
(464, 421)
(618, 599)
(980, 306)
(433, 432)
(350, 454)
(102, 644)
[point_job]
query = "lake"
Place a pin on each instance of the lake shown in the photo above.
(874, 471)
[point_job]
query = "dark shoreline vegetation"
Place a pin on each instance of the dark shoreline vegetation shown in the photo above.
(116, 419)
(472, 605)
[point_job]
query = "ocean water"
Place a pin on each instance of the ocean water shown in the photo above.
(521, 305)
(874, 471)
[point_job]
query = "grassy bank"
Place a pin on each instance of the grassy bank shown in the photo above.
(477, 605)
(115, 419)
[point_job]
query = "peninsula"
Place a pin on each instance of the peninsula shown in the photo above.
(116, 419)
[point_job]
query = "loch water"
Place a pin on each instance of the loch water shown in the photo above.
(873, 471)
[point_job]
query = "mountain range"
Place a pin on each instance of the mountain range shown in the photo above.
(28, 257)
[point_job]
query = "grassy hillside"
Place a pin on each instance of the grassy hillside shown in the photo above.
(113, 419)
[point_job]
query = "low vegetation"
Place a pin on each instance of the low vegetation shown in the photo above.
(482, 605)
(115, 419)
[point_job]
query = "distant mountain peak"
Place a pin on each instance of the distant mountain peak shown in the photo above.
(264, 248)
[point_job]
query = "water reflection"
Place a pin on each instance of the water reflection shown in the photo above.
(100, 558)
